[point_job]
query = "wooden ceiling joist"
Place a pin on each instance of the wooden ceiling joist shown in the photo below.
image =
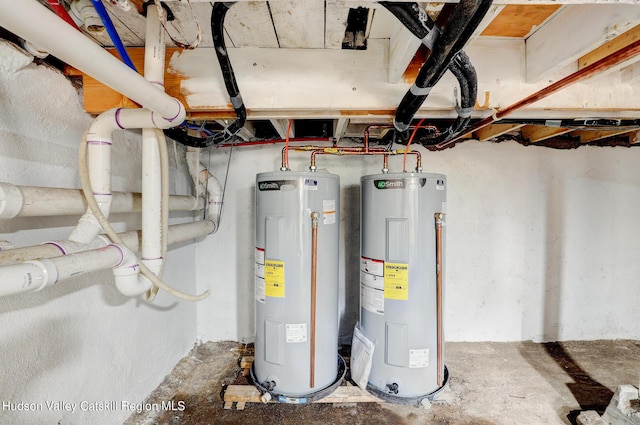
(538, 133)
(587, 136)
(494, 130)
(618, 43)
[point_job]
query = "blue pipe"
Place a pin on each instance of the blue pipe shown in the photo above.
(111, 30)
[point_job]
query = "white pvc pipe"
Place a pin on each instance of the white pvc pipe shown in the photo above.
(152, 164)
(98, 140)
(205, 182)
(127, 276)
(34, 201)
(177, 233)
(151, 198)
(33, 22)
(35, 275)
(27, 277)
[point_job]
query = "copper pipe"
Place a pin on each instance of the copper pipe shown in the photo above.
(314, 267)
(439, 217)
(360, 152)
(366, 134)
(601, 65)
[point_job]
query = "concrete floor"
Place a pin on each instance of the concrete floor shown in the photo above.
(491, 383)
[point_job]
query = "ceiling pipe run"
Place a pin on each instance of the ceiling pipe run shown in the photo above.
(603, 64)
(27, 18)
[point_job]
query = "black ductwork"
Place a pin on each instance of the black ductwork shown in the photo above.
(179, 133)
(411, 16)
(465, 73)
(456, 32)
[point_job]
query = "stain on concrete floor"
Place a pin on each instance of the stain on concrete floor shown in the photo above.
(491, 383)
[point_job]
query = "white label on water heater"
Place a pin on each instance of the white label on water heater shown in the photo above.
(371, 266)
(259, 279)
(328, 211)
(419, 358)
(372, 299)
(372, 285)
(296, 332)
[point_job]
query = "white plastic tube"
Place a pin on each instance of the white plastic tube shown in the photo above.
(27, 18)
(177, 233)
(205, 182)
(34, 201)
(155, 177)
(95, 162)
(127, 276)
(35, 275)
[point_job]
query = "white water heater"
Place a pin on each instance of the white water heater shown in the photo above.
(296, 285)
(400, 289)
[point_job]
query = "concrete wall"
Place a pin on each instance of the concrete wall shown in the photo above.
(79, 341)
(541, 244)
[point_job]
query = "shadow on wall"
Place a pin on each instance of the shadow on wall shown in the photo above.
(589, 393)
(245, 265)
(350, 223)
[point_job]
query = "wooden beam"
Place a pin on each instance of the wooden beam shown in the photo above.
(248, 24)
(587, 136)
(342, 394)
(492, 131)
(298, 24)
(538, 133)
(340, 127)
(590, 25)
(618, 43)
(402, 49)
(517, 20)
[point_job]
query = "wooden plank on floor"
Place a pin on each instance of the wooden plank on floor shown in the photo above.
(342, 394)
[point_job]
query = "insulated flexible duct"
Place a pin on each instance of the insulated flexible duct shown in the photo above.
(465, 19)
(179, 134)
(411, 16)
(465, 73)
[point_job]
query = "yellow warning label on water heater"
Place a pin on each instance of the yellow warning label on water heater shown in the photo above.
(396, 281)
(274, 278)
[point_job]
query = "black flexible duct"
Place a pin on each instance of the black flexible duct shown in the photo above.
(179, 134)
(465, 19)
(465, 73)
(411, 16)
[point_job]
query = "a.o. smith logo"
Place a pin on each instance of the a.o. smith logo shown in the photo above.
(276, 184)
(399, 183)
